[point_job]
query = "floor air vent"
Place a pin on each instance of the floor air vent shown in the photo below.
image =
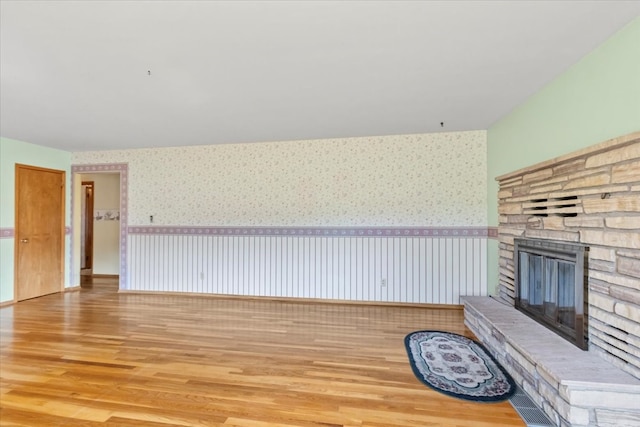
(529, 411)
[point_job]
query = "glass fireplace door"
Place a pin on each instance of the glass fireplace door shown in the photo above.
(549, 285)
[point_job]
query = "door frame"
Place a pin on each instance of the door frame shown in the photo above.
(76, 183)
(16, 240)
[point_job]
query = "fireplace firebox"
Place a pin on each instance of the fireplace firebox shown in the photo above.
(550, 287)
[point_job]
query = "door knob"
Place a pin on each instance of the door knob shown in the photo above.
(24, 240)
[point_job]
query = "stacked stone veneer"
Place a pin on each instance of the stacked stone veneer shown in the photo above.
(605, 179)
(591, 197)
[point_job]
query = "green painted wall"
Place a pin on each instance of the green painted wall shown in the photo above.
(12, 152)
(595, 100)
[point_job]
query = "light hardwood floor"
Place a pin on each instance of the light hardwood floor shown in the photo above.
(96, 357)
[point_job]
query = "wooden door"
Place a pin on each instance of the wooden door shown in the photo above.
(39, 239)
(87, 225)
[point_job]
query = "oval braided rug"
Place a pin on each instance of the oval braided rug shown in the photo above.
(457, 366)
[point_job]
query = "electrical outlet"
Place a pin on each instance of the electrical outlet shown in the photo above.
(383, 282)
(201, 275)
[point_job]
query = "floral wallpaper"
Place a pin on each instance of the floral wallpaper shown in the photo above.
(407, 180)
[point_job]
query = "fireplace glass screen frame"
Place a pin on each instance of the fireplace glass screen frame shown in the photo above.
(549, 285)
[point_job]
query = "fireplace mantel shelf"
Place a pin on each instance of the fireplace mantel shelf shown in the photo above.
(544, 363)
(598, 148)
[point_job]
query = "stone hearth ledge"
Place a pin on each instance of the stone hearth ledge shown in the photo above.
(573, 387)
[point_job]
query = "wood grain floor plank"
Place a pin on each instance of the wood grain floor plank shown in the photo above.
(101, 358)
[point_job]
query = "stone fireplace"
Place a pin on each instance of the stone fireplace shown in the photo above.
(590, 199)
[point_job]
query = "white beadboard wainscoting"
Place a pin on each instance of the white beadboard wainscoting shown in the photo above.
(412, 265)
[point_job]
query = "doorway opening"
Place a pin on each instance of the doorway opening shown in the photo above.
(109, 222)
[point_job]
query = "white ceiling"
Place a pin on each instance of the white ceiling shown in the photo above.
(75, 74)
